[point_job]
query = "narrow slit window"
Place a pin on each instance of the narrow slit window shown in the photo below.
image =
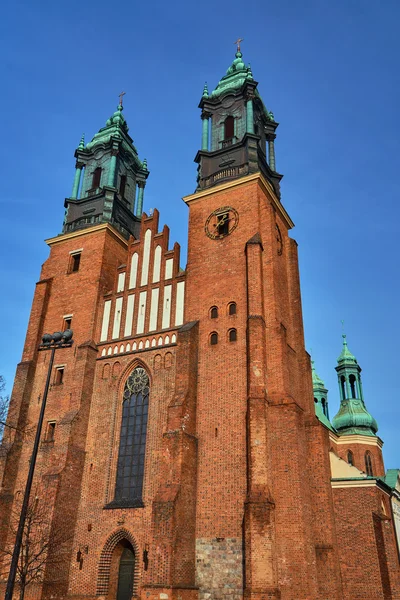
(368, 465)
(59, 379)
(343, 386)
(214, 338)
(229, 128)
(67, 323)
(232, 335)
(323, 402)
(352, 381)
(51, 429)
(350, 458)
(232, 309)
(122, 185)
(96, 178)
(75, 262)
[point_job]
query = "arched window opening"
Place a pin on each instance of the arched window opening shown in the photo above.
(229, 128)
(214, 338)
(323, 402)
(343, 386)
(132, 446)
(368, 465)
(96, 178)
(316, 400)
(350, 458)
(213, 312)
(122, 185)
(232, 335)
(232, 308)
(352, 381)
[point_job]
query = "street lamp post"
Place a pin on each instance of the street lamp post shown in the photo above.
(53, 343)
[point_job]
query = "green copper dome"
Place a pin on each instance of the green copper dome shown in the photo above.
(346, 356)
(352, 417)
(116, 127)
(235, 76)
(320, 398)
(317, 381)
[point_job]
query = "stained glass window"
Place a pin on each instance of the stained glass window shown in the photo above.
(132, 446)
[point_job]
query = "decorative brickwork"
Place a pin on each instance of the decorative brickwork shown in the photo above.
(103, 576)
(245, 494)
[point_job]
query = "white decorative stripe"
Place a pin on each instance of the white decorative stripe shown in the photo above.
(169, 264)
(147, 343)
(133, 274)
(117, 318)
(141, 312)
(121, 282)
(154, 309)
(146, 258)
(166, 317)
(157, 265)
(129, 315)
(106, 321)
(343, 483)
(180, 299)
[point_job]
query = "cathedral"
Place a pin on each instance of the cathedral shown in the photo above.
(187, 451)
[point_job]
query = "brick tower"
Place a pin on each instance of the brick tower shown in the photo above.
(185, 455)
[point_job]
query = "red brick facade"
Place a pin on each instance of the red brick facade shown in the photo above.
(239, 499)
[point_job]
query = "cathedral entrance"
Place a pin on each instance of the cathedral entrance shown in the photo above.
(125, 574)
(122, 571)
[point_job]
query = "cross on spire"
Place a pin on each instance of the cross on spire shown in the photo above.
(238, 43)
(120, 97)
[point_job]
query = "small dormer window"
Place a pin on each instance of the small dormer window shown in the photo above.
(96, 178)
(229, 128)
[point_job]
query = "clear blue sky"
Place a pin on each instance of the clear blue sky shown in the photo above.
(330, 73)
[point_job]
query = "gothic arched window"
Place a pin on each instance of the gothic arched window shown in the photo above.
(132, 445)
(368, 464)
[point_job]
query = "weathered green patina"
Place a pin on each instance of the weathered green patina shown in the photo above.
(352, 417)
(109, 180)
(320, 398)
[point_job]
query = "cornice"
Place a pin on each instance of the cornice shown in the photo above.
(346, 440)
(263, 183)
(88, 230)
(350, 483)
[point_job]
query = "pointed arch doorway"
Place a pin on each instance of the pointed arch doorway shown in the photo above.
(125, 573)
(122, 572)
